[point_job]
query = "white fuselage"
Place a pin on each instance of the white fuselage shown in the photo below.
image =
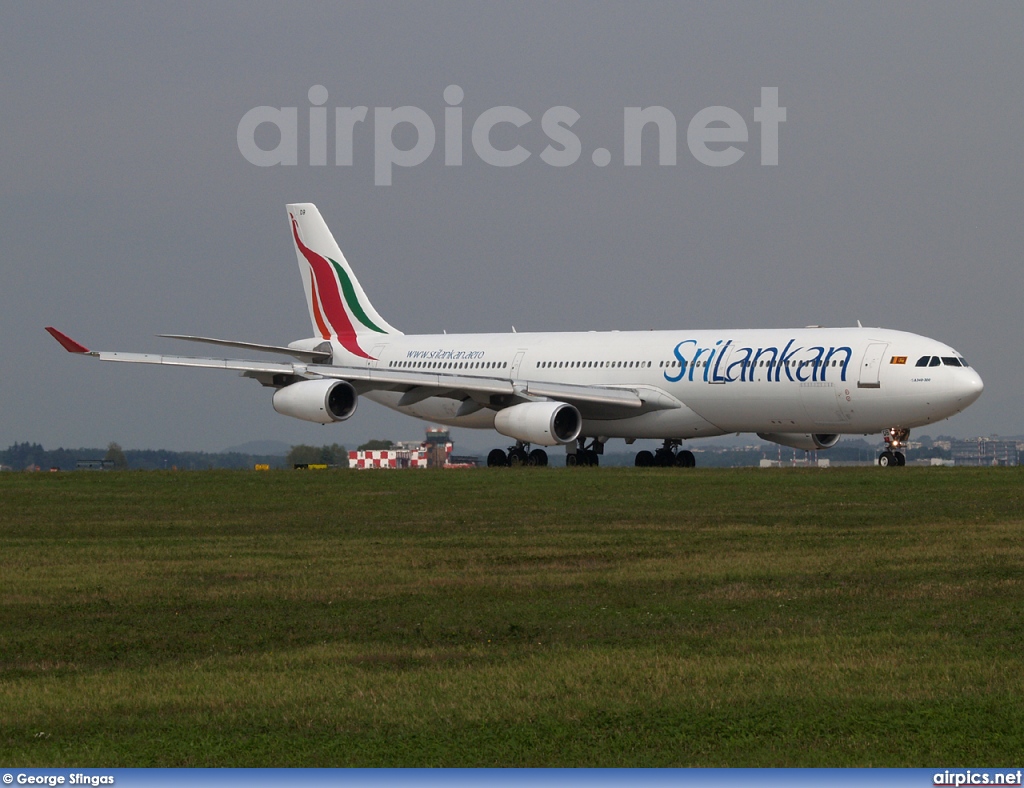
(814, 380)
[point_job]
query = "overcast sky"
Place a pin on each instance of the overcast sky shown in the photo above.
(129, 210)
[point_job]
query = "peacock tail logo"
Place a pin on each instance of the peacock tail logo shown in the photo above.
(330, 283)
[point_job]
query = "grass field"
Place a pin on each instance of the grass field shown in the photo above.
(533, 617)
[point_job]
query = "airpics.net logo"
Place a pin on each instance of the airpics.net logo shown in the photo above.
(713, 135)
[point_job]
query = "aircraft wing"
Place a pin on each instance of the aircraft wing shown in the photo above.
(303, 355)
(592, 401)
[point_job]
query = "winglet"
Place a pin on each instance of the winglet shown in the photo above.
(67, 342)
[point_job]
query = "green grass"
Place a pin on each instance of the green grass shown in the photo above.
(539, 617)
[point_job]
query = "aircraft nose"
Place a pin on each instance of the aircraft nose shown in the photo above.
(968, 387)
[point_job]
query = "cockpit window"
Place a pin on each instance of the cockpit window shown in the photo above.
(963, 361)
(923, 361)
(951, 361)
(934, 362)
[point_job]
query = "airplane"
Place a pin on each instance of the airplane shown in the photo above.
(800, 387)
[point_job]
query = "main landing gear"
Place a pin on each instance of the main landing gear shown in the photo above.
(894, 438)
(666, 456)
(517, 456)
(584, 455)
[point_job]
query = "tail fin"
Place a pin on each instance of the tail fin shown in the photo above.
(338, 307)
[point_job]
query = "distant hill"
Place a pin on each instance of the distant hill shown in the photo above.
(266, 448)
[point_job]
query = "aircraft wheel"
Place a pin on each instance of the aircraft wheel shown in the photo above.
(901, 458)
(592, 458)
(538, 458)
(572, 460)
(497, 459)
(685, 459)
(644, 459)
(663, 458)
(886, 459)
(517, 458)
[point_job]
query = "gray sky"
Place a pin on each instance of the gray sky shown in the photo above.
(128, 209)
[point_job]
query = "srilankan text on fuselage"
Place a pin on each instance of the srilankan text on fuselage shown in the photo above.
(727, 362)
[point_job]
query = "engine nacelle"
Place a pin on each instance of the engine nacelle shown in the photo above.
(543, 423)
(798, 440)
(322, 401)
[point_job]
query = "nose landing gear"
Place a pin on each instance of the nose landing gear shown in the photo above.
(895, 438)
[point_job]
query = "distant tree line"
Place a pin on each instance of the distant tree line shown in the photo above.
(20, 456)
(333, 455)
(318, 455)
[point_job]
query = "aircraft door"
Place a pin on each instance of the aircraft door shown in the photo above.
(720, 366)
(376, 354)
(514, 373)
(870, 365)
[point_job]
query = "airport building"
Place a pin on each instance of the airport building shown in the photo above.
(435, 451)
(984, 451)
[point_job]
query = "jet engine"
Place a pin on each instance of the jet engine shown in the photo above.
(797, 440)
(322, 401)
(543, 423)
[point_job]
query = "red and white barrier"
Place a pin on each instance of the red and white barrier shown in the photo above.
(393, 458)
